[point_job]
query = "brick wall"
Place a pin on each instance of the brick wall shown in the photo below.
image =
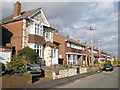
(16, 29)
(62, 49)
(16, 81)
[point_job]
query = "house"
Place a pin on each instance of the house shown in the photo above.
(103, 56)
(31, 28)
(71, 51)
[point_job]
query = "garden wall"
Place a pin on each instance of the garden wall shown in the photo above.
(16, 81)
(65, 73)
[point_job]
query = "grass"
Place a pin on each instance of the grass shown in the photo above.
(49, 68)
(60, 68)
(88, 68)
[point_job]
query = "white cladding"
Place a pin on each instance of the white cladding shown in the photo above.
(6, 55)
(51, 56)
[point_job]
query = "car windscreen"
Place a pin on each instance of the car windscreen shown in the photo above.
(108, 65)
(33, 65)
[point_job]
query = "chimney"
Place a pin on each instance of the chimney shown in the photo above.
(56, 31)
(17, 9)
(68, 36)
(85, 42)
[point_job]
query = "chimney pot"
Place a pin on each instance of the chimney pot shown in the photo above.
(78, 40)
(85, 42)
(17, 9)
(56, 31)
(68, 36)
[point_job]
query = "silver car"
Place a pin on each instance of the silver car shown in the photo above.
(34, 69)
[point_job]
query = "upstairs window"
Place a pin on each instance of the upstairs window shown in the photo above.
(68, 44)
(36, 28)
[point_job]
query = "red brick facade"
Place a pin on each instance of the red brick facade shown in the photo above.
(62, 49)
(16, 29)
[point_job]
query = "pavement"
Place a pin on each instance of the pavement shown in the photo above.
(66, 80)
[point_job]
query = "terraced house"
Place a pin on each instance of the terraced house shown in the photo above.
(30, 28)
(72, 51)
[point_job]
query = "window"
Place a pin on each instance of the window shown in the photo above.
(38, 49)
(68, 44)
(36, 28)
(77, 47)
(51, 52)
(54, 53)
(46, 34)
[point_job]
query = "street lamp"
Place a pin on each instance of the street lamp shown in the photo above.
(91, 29)
(99, 42)
(116, 55)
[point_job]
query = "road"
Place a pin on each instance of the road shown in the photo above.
(105, 79)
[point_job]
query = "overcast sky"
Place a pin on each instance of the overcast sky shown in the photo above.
(74, 18)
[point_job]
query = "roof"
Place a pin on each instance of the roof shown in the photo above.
(23, 15)
(36, 39)
(51, 44)
(71, 40)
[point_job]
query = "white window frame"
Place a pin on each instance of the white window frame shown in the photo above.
(38, 47)
(36, 28)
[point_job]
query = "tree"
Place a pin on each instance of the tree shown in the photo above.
(17, 64)
(29, 53)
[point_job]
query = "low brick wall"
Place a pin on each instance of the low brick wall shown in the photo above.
(49, 74)
(16, 81)
(65, 73)
(83, 70)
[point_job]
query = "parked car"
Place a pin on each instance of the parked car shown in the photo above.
(108, 67)
(118, 65)
(34, 69)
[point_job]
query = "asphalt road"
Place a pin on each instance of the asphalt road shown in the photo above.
(105, 79)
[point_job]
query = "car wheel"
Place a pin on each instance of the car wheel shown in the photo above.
(42, 73)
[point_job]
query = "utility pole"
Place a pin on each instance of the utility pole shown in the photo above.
(116, 55)
(91, 29)
(99, 42)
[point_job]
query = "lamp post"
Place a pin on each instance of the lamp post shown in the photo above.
(91, 29)
(116, 55)
(99, 41)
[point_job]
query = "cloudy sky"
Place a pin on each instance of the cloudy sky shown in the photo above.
(74, 19)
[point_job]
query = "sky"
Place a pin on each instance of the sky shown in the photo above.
(74, 19)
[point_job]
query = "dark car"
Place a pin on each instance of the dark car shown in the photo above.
(108, 67)
(34, 69)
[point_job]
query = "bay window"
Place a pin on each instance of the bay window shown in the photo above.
(36, 28)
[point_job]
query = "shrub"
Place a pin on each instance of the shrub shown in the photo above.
(29, 53)
(56, 71)
(16, 65)
(2, 66)
(108, 62)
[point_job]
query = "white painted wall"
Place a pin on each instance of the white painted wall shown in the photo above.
(6, 55)
(47, 56)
